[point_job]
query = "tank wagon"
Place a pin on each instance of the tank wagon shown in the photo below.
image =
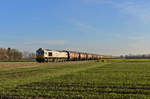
(72, 56)
(83, 56)
(46, 55)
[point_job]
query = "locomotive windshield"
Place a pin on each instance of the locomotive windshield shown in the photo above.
(40, 52)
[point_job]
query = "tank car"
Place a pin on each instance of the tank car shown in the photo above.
(83, 56)
(73, 56)
(94, 57)
(89, 56)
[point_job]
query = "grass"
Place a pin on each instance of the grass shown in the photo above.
(111, 79)
(15, 62)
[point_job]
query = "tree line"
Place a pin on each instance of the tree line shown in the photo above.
(11, 54)
(144, 56)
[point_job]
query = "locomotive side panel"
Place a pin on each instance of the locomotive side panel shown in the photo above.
(56, 54)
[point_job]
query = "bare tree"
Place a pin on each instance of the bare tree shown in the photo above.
(10, 54)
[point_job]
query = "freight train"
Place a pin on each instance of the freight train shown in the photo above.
(46, 55)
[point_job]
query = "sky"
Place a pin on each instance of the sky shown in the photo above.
(108, 27)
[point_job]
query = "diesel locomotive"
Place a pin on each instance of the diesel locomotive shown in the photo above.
(46, 55)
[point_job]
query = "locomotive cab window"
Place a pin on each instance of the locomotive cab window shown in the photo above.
(50, 53)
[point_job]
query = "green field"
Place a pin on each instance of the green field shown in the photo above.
(111, 79)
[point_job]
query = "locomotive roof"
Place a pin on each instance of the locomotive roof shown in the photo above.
(48, 50)
(53, 50)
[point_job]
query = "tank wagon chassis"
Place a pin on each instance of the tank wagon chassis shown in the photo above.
(46, 55)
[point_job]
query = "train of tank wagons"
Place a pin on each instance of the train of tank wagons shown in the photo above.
(46, 55)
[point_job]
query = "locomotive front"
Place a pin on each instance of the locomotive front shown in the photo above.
(40, 55)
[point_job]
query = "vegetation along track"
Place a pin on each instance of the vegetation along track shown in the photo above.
(78, 80)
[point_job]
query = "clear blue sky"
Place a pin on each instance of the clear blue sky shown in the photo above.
(111, 27)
